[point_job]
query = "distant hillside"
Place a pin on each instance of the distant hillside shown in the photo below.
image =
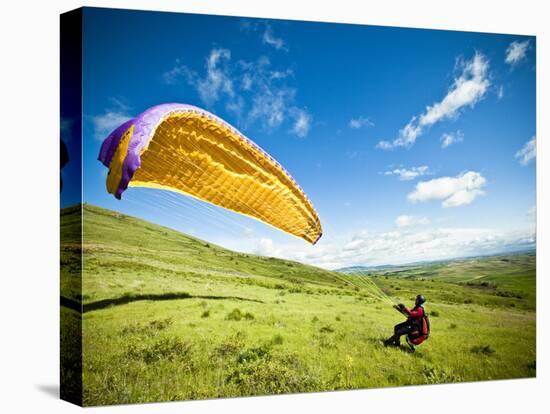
(118, 243)
(418, 265)
(367, 269)
(511, 274)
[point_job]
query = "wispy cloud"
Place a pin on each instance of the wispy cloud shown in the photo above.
(266, 32)
(500, 92)
(254, 91)
(215, 83)
(454, 191)
(270, 39)
(107, 122)
(360, 122)
(410, 221)
(270, 107)
(516, 52)
(407, 174)
(179, 72)
(302, 123)
(450, 138)
(528, 152)
(468, 89)
(217, 80)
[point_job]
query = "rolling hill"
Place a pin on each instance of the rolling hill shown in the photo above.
(165, 316)
(511, 275)
(121, 251)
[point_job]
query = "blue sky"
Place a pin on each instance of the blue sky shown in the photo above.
(412, 144)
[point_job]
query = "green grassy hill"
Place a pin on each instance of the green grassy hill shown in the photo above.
(126, 250)
(167, 316)
(504, 277)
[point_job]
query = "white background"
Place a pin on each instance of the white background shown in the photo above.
(29, 216)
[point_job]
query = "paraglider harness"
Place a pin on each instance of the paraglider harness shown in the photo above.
(422, 331)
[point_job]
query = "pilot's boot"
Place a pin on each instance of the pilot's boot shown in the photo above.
(393, 341)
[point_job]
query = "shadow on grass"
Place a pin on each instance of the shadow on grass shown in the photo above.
(122, 300)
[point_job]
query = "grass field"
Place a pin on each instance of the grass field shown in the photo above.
(170, 317)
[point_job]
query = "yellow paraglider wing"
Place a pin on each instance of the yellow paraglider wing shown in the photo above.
(193, 152)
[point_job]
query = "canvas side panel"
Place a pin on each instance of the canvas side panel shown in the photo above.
(71, 207)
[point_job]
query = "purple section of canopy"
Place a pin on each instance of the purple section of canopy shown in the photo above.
(109, 146)
(144, 125)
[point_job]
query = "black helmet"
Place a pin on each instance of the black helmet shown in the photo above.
(419, 300)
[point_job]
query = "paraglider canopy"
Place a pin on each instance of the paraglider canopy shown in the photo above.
(188, 150)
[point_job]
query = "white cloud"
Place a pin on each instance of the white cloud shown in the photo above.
(407, 136)
(112, 118)
(528, 152)
(500, 92)
(270, 39)
(360, 122)
(236, 105)
(266, 247)
(454, 191)
(266, 33)
(218, 78)
(450, 138)
(401, 246)
(516, 52)
(302, 123)
(468, 89)
(117, 113)
(270, 107)
(178, 72)
(410, 221)
(407, 174)
(216, 82)
(271, 99)
(106, 123)
(253, 91)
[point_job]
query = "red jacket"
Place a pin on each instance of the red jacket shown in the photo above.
(415, 313)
